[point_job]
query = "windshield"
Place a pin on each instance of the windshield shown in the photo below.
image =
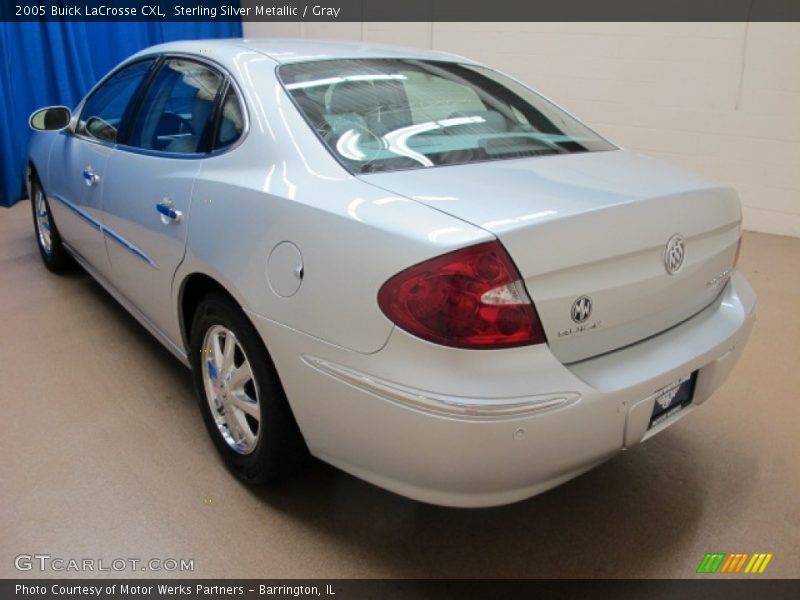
(387, 114)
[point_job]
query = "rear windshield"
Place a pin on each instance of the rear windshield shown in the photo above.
(387, 115)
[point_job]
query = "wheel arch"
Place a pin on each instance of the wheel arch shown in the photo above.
(31, 172)
(194, 287)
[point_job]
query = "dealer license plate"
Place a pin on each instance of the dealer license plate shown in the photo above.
(673, 398)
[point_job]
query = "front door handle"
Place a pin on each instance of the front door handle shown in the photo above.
(169, 212)
(90, 177)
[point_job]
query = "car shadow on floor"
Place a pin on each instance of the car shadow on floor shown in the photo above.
(628, 517)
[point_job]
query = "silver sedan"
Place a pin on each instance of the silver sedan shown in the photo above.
(405, 263)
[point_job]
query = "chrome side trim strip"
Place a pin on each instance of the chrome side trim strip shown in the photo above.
(128, 246)
(443, 404)
(107, 231)
(81, 213)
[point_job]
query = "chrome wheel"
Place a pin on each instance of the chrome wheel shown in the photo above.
(43, 225)
(231, 389)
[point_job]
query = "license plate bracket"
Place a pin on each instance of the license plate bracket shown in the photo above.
(672, 398)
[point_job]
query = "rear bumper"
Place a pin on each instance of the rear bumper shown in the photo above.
(481, 428)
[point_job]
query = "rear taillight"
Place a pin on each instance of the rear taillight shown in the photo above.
(470, 298)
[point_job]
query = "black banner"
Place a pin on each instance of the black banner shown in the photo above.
(399, 589)
(401, 10)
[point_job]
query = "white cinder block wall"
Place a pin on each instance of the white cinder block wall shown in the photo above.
(722, 99)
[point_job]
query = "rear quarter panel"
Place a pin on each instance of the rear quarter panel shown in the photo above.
(280, 184)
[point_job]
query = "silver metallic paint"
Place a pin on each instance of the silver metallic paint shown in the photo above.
(565, 220)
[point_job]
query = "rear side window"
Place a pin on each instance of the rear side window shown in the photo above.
(388, 114)
(103, 112)
(176, 111)
(231, 121)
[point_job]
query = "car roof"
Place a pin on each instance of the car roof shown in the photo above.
(288, 50)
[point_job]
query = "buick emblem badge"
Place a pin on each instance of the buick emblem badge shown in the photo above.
(674, 254)
(581, 309)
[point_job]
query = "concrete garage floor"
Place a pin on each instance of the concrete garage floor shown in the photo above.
(105, 456)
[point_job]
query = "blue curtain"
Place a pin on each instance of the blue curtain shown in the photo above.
(54, 62)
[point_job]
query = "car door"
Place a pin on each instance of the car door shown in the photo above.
(149, 181)
(77, 177)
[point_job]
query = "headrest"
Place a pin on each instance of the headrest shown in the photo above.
(353, 97)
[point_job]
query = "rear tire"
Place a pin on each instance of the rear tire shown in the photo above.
(54, 255)
(240, 395)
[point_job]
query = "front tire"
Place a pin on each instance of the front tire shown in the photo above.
(240, 395)
(54, 255)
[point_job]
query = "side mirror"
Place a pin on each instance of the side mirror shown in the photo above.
(52, 118)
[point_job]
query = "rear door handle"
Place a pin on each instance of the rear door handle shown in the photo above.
(90, 177)
(169, 212)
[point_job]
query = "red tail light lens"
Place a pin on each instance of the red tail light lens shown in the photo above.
(470, 298)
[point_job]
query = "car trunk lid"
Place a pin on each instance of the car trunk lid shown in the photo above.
(589, 234)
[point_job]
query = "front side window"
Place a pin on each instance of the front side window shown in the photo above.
(175, 113)
(103, 111)
(387, 114)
